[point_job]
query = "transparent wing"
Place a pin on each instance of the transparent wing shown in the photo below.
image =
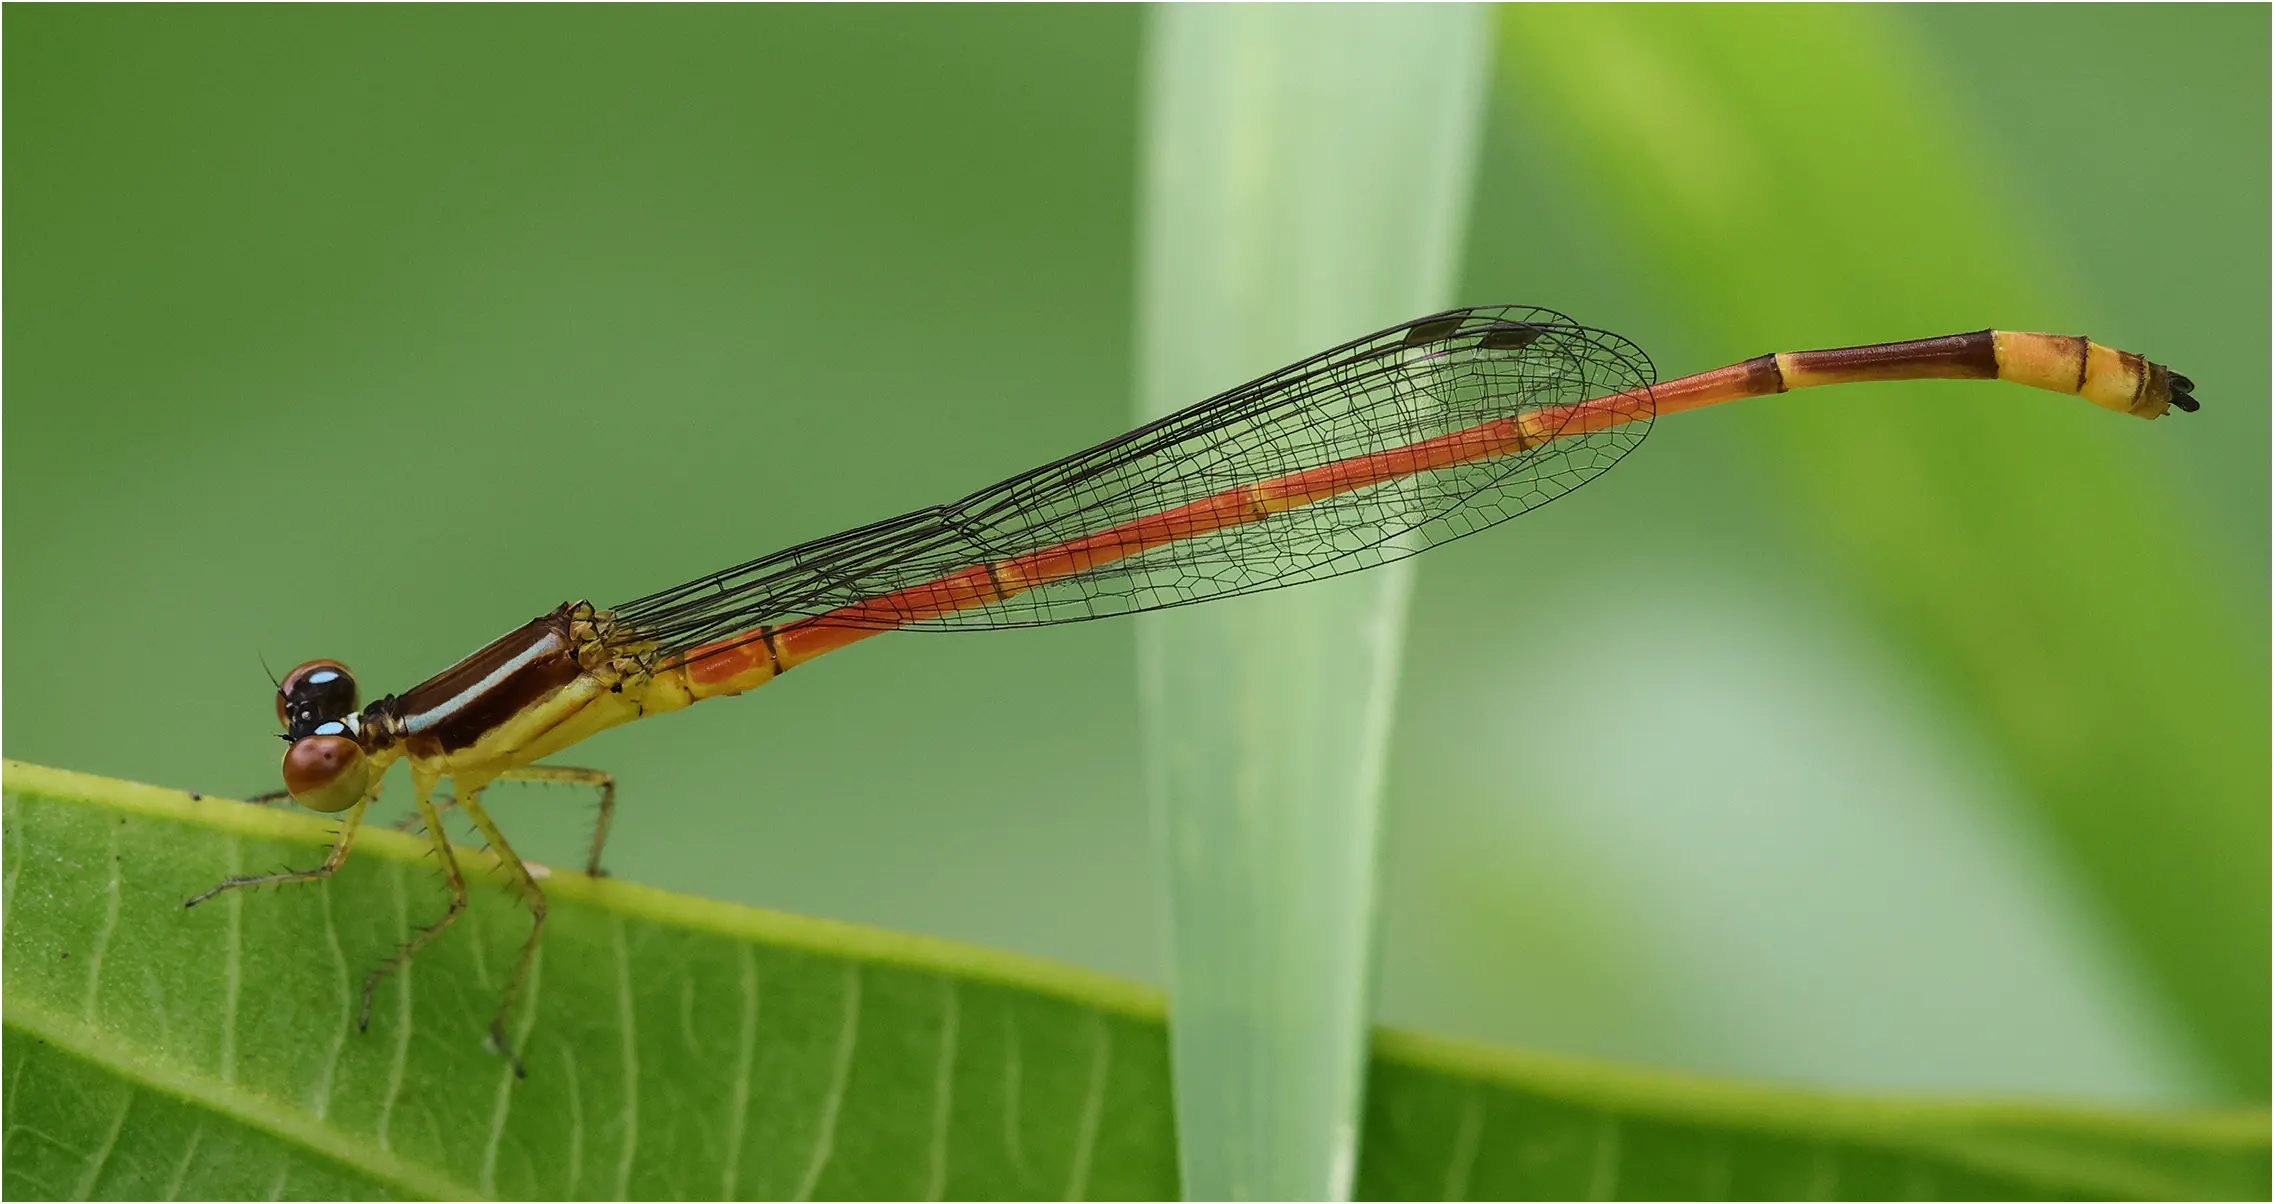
(1425, 380)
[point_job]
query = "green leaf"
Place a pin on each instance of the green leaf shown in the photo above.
(678, 1047)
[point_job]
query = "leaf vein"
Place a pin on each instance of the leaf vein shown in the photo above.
(102, 942)
(15, 1080)
(631, 1063)
(401, 1059)
(1603, 1183)
(102, 1156)
(15, 826)
(232, 971)
(1093, 1107)
(189, 1155)
(576, 1124)
(840, 1073)
(738, 1104)
(347, 1004)
(503, 1107)
(943, 1091)
(1464, 1160)
(1013, 1073)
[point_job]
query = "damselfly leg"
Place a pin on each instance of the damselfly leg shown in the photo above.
(599, 779)
(349, 824)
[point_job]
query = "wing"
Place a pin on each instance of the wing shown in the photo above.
(1366, 401)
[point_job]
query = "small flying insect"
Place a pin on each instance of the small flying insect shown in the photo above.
(1360, 455)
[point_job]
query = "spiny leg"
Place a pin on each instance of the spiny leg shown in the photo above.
(441, 839)
(527, 885)
(442, 803)
(599, 779)
(349, 823)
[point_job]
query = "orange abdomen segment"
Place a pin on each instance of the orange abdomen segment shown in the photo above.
(2116, 380)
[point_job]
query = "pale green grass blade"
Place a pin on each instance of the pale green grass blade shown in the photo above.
(685, 1049)
(1305, 175)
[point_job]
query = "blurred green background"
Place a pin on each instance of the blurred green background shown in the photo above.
(1907, 737)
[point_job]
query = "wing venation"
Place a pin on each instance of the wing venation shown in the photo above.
(1366, 412)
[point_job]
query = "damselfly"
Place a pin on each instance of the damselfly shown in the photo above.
(1357, 456)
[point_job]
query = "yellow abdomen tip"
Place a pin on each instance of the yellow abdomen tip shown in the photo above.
(2072, 364)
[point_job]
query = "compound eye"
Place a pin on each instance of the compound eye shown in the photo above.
(314, 694)
(326, 772)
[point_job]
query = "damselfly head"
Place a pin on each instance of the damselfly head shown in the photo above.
(312, 695)
(326, 771)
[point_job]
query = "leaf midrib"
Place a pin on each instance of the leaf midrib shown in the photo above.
(142, 1068)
